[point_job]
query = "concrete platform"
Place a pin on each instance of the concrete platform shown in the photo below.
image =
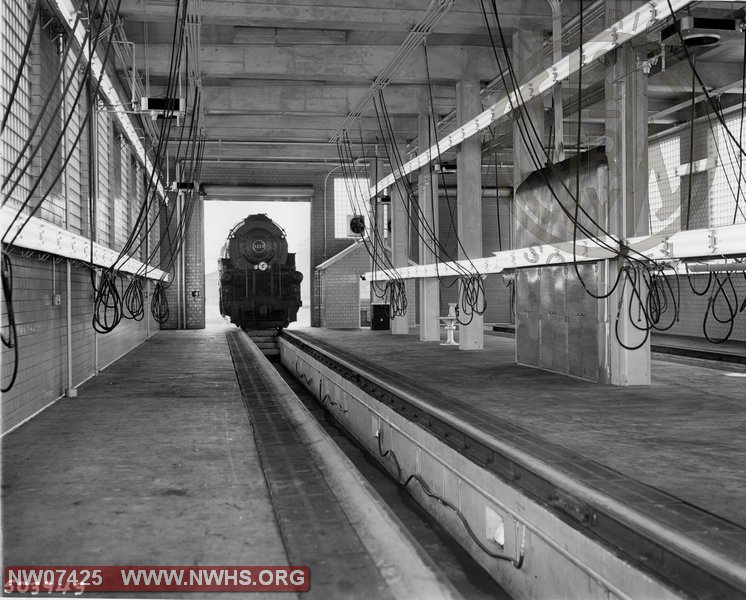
(655, 472)
(683, 434)
(666, 343)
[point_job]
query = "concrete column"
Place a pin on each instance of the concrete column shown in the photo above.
(178, 272)
(428, 199)
(557, 111)
(400, 245)
(527, 61)
(70, 391)
(378, 221)
(469, 204)
(626, 153)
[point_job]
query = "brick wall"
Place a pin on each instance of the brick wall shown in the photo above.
(104, 209)
(692, 309)
(195, 268)
(168, 226)
(74, 173)
(42, 336)
(44, 62)
(340, 290)
(695, 210)
(42, 324)
(192, 308)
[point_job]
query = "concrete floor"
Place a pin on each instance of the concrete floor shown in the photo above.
(144, 467)
(684, 434)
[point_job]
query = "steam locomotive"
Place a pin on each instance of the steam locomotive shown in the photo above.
(259, 286)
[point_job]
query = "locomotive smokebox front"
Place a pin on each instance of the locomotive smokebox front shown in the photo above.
(258, 240)
(259, 286)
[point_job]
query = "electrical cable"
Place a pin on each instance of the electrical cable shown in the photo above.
(132, 300)
(472, 294)
(21, 63)
(517, 562)
(22, 153)
(159, 304)
(107, 303)
(625, 273)
(11, 340)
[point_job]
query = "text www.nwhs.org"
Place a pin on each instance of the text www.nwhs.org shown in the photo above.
(79, 580)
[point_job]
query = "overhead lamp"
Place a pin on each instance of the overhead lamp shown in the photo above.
(697, 32)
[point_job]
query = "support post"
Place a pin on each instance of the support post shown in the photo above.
(399, 245)
(469, 204)
(179, 273)
(96, 334)
(558, 116)
(428, 200)
(71, 391)
(628, 353)
(377, 224)
(147, 309)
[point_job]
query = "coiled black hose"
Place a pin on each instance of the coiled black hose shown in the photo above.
(159, 304)
(133, 300)
(107, 304)
(11, 340)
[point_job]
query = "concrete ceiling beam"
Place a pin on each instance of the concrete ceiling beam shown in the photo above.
(270, 150)
(293, 124)
(331, 99)
(388, 15)
(277, 133)
(328, 63)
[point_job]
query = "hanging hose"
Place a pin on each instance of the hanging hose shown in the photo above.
(107, 304)
(159, 304)
(133, 300)
(11, 340)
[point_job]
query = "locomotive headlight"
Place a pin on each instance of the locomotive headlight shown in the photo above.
(262, 266)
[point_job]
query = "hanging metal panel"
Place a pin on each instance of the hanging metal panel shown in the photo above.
(527, 316)
(583, 322)
(553, 320)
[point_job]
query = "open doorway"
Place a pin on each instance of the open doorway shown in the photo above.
(293, 217)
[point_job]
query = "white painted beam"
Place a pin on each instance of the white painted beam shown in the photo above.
(533, 256)
(42, 236)
(717, 242)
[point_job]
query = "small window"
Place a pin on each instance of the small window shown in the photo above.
(663, 185)
(724, 186)
(349, 200)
